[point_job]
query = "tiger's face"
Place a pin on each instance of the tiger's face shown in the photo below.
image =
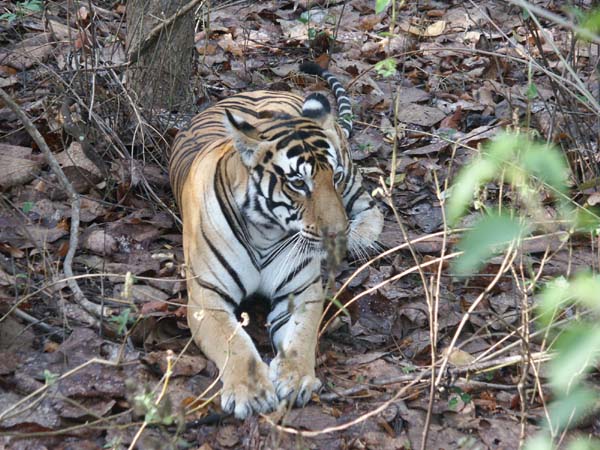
(298, 167)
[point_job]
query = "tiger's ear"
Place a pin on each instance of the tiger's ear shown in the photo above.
(316, 107)
(245, 137)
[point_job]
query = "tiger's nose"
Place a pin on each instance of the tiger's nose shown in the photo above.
(333, 232)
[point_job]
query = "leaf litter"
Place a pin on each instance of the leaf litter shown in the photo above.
(457, 82)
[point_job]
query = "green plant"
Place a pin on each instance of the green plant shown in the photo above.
(27, 206)
(50, 377)
(386, 68)
(123, 320)
(531, 170)
(591, 24)
(381, 5)
(528, 167)
(146, 403)
(23, 9)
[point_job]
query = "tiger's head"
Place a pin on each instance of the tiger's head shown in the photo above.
(298, 167)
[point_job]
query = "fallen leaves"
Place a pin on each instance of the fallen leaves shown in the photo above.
(16, 166)
(455, 82)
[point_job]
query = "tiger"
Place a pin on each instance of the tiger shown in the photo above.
(263, 180)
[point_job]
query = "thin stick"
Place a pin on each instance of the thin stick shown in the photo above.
(508, 259)
(93, 311)
(346, 425)
(470, 369)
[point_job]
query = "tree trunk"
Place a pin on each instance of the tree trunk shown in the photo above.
(162, 59)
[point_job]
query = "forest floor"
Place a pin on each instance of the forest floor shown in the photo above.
(465, 71)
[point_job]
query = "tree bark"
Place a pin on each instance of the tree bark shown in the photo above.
(161, 53)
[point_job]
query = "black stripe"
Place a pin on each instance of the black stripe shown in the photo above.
(232, 273)
(276, 300)
(274, 252)
(236, 225)
(276, 326)
(228, 299)
(355, 197)
(294, 273)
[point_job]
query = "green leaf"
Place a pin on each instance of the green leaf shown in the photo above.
(381, 5)
(560, 293)
(592, 22)
(587, 219)
(50, 377)
(503, 149)
(570, 409)
(9, 17)
(27, 206)
(466, 184)
(490, 235)
(122, 320)
(304, 17)
(584, 444)
(547, 164)
(554, 296)
(578, 349)
(466, 398)
(32, 5)
(532, 91)
(542, 441)
(453, 403)
(408, 369)
(386, 67)
(586, 288)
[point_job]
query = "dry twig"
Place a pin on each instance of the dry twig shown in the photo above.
(93, 310)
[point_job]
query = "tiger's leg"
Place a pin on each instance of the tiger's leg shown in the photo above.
(245, 377)
(294, 323)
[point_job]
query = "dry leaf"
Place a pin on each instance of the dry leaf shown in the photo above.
(594, 199)
(16, 167)
(228, 436)
(28, 52)
(82, 14)
(6, 279)
(184, 365)
(453, 120)
(459, 357)
(420, 114)
(436, 28)
(74, 156)
(433, 30)
(140, 293)
(100, 242)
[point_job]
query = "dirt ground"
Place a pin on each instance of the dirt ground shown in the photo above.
(428, 88)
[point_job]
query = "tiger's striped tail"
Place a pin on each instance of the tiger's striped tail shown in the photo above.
(341, 97)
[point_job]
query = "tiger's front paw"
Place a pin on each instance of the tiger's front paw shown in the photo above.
(248, 392)
(294, 380)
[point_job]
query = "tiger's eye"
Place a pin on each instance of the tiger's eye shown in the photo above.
(298, 183)
(338, 177)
